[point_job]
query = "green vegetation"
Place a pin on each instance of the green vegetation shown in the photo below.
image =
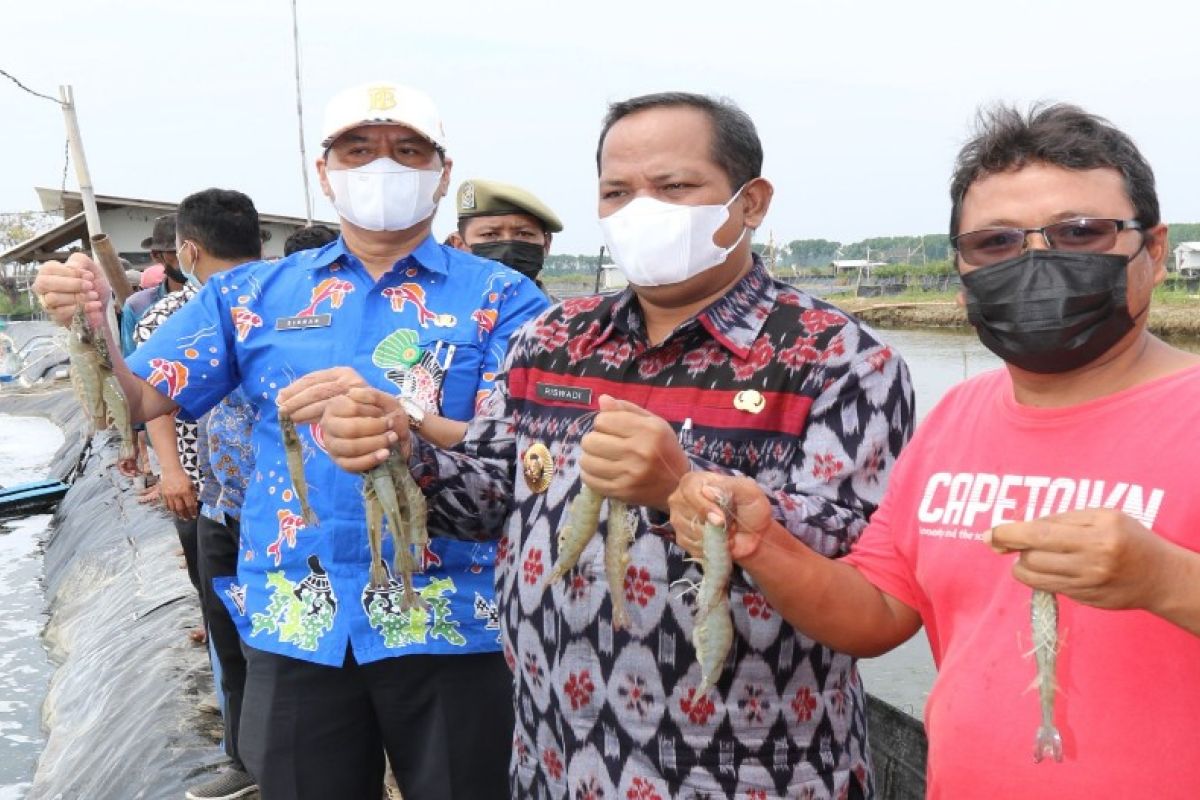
(928, 255)
(1175, 293)
(1182, 232)
(18, 309)
(935, 269)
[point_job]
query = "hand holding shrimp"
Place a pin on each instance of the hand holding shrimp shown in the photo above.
(1099, 557)
(361, 426)
(827, 600)
(698, 500)
(64, 286)
(631, 455)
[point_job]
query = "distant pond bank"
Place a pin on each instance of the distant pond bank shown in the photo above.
(1178, 323)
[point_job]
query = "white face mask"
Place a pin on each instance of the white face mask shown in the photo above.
(658, 244)
(384, 195)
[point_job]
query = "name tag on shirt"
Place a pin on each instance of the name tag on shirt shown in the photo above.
(300, 323)
(565, 394)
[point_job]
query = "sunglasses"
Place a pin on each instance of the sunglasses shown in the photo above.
(988, 246)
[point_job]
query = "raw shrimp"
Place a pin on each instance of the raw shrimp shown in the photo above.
(712, 633)
(87, 375)
(379, 576)
(295, 466)
(380, 478)
(117, 410)
(581, 526)
(1045, 652)
(616, 559)
(413, 499)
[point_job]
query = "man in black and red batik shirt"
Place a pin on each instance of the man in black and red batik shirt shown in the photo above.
(707, 363)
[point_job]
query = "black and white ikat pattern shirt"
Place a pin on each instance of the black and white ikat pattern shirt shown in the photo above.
(187, 432)
(604, 714)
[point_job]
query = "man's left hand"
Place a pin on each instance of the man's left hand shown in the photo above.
(1100, 557)
(632, 455)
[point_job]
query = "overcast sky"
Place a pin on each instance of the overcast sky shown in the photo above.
(861, 106)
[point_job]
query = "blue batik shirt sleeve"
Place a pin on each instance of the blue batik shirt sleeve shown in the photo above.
(516, 303)
(191, 357)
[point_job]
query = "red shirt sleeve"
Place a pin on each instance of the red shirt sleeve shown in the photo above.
(879, 553)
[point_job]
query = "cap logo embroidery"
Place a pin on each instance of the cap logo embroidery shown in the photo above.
(468, 197)
(381, 98)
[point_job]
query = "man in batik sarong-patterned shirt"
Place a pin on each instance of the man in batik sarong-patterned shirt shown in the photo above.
(707, 363)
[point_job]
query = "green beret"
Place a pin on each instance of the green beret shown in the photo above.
(478, 198)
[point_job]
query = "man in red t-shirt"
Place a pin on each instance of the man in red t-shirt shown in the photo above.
(1075, 463)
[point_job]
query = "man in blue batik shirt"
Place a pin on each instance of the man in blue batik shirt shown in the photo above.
(387, 306)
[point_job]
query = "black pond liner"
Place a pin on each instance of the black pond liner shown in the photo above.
(120, 712)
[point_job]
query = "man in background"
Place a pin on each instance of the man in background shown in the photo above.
(161, 245)
(504, 223)
(311, 237)
(218, 230)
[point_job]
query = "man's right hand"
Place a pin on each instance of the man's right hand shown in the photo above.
(699, 498)
(361, 426)
(61, 287)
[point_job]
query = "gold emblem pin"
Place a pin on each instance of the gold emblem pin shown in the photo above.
(537, 467)
(749, 400)
(381, 98)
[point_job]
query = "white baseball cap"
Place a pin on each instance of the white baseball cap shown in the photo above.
(382, 103)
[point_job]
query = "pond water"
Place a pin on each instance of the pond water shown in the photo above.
(27, 445)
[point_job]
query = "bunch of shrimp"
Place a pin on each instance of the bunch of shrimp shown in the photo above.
(582, 523)
(95, 384)
(390, 492)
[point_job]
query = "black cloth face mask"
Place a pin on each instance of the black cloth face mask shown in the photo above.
(525, 257)
(175, 274)
(1050, 311)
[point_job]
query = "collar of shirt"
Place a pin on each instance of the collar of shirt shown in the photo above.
(428, 254)
(735, 319)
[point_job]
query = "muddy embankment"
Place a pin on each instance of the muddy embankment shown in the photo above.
(1167, 321)
(121, 712)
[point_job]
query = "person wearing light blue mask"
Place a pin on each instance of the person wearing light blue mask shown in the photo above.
(214, 231)
(202, 255)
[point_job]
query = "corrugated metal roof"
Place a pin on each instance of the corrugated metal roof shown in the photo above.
(71, 203)
(46, 242)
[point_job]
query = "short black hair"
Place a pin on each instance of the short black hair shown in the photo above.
(736, 148)
(1060, 134)
(223, 221)
(309, 238)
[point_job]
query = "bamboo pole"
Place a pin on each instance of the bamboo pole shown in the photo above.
(102, 248)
